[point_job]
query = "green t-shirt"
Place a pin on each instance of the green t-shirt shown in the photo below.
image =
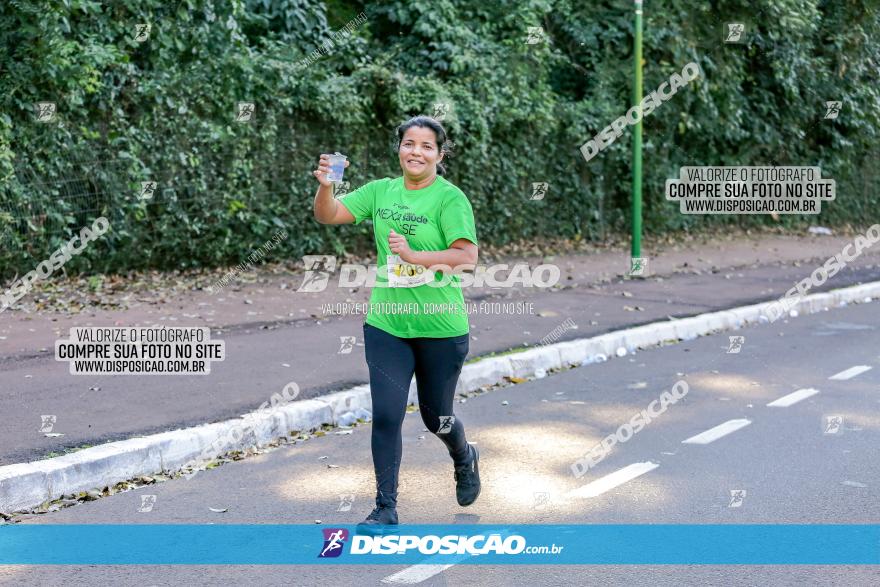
(431, 219)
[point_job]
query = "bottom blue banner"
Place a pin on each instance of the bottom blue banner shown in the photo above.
(270, 544)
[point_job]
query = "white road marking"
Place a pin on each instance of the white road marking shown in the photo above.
(713, 434)
(849, 483)
(793, 398)
(850, 373)
(615, 479)
(415, 574)
(418, 573)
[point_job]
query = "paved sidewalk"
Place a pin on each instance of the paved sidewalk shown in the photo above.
(268, 346)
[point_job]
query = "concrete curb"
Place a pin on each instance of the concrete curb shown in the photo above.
(27, 485)
(596, 349)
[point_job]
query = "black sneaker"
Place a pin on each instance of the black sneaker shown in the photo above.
(467, 479)
(381, 520)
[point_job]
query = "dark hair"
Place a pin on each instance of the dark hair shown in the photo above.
(426, 122)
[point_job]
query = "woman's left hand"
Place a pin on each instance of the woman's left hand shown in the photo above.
(399, 246)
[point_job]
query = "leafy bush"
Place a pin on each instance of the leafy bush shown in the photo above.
(164, 110)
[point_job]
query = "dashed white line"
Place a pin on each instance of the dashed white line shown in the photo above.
(713, 434)
(850, 373)
(415, 574)
(793, 398)
(419, 572)
(615, 479)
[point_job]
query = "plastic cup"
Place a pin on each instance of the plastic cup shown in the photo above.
(337, 167)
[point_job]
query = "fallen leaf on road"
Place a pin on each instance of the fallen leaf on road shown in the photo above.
(53, 434)
(332, 466)
(517, 379)
(547, 313)
(348, 431)
(638, 385)
(219, 510)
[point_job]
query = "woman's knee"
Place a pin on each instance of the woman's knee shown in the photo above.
(386, 421)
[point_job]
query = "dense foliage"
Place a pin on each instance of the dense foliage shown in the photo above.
(164, 110)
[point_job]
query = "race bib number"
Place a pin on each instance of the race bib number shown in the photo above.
(403, 274)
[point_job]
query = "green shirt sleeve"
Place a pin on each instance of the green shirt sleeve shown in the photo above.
(361, 202)
(457, 220)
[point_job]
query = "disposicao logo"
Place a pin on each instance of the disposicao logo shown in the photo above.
(334, 539)
(450, 544)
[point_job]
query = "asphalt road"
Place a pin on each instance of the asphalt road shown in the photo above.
(795, 465)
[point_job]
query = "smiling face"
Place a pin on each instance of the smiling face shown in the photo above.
(419, 153)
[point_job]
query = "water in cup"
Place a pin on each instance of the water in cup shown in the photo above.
(337, 166)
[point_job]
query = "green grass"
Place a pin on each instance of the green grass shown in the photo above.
(54, 454)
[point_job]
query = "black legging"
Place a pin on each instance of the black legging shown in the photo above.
(392, 361)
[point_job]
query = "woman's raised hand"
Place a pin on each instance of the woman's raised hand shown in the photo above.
(324, 168)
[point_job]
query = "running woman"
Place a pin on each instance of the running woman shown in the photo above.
(421, 222)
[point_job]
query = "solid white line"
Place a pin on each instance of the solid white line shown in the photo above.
(850, 373)
(793, 398)
(713, 434)
(615, 479)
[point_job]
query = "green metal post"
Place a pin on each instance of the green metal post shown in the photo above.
(637, 140)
